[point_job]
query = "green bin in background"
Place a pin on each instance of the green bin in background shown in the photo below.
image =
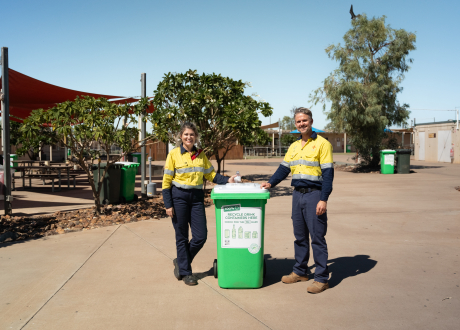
(128, 181)
(403, 163)
(136, 157)
(240, 213)
(348, 148)
(13, 157)
(110, 192)
(387, 161)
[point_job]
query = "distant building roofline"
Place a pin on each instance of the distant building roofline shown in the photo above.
(450, 121)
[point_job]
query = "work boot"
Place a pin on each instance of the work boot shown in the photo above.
(176, 270)
(317, 287)
(293, 278)
(190, 280)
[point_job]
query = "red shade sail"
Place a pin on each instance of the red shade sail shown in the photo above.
(27, 94)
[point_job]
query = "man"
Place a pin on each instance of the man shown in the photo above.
(309, 159)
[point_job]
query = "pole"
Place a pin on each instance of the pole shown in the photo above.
(279, 139)
(6, 133)
(143, 129)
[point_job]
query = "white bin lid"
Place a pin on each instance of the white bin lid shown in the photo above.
(239, 188)
(126, 163)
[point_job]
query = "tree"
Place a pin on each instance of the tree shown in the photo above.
(288, 139)
(363, 89)
(287, 123)
(216, 104)
(84, 123)
(30, 145)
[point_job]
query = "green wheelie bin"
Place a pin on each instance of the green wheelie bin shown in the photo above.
(110, 192)
(128, 181)
(387, 161)
(136, 157)
(240, 213)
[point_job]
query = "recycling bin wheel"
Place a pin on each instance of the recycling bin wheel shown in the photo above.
(215, 268)
(265, 269)
(135, 198)
(122, 200)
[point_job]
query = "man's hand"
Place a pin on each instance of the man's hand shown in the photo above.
(321, 207)
(170, 212)
(265, 185)
(232, 179)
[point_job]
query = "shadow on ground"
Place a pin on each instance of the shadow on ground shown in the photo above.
(339, 268)
(423, 166)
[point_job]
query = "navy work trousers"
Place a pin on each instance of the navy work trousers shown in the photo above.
(188, 210)
(306, 222)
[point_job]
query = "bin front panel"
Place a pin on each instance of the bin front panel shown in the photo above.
(240, 251)
(403, 163)
(128, 181)
(387, 161)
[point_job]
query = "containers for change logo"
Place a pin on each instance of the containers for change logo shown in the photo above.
(230, 208)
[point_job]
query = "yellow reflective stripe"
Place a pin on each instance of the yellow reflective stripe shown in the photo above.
(327, 165)
(186, 186)
(208, 170)
(305, 177)
(303, 162)
(189, 170)
(169, 172)
(284, 163)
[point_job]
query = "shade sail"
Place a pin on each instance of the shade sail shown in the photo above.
(27, 94)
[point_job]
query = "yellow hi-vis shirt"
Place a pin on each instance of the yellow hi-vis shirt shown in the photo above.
(307, 162)
(183, 172)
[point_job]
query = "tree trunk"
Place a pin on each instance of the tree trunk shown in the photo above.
(218, 160)
(96, 190)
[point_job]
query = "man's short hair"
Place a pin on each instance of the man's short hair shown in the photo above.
(304, 111)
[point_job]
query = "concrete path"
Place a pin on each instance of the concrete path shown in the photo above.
(393, 254)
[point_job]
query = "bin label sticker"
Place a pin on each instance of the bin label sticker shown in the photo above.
(389, 159)
(241, 227)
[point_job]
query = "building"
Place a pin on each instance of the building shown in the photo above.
(437, 142)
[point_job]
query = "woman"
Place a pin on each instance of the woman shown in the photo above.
(183, 196)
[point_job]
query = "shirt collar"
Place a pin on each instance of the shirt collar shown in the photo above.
(182, 149)
(313, 136)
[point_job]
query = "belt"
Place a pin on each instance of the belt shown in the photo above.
(306, 190)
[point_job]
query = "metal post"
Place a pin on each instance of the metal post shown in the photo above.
(143, 133)
(6, 133)
(279, 139)
(150, 169)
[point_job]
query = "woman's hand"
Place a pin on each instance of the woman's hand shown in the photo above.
(265, 185)
(170, 212)
(232, 179)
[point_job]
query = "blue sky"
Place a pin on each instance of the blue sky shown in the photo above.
(104, 46)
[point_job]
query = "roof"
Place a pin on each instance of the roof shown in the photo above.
(450, 121)
(27, 94)
(270, 126)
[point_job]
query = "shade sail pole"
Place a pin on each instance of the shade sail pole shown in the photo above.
(6, 133)
(143, 133)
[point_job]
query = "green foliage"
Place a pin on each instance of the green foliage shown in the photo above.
(84, 123)
(363, 89)
(390, 142)
(30, 144)
(288, 139)
(216, 104)
(287, 123)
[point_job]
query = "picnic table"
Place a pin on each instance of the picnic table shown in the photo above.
(28, 162)
(46, 172)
